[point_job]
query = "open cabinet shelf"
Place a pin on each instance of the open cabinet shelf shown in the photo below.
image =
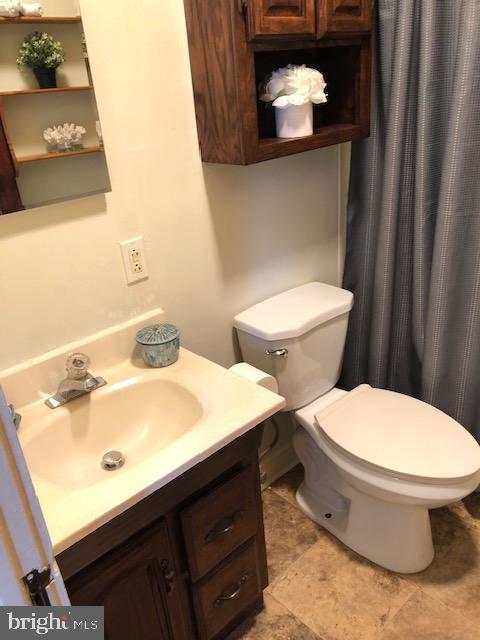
(41, 20)
(340, 119)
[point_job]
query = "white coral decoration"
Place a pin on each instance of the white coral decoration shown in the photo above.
(295, 85)
(64, 136)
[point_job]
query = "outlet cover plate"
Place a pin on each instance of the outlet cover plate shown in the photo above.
(134, 260)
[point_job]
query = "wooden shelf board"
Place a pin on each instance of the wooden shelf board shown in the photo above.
(321, 131)
(28, 92)
(57, 156)
(334, 133)
(41, 20)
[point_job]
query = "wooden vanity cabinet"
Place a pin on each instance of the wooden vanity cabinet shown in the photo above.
(134, 582)
(186, 562)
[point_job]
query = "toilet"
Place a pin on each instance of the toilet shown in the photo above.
(375, 461)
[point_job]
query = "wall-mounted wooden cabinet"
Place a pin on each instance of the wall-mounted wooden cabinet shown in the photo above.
(235, 44)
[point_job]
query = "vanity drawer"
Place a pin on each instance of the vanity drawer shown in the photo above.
(219, 522)
(233, 589)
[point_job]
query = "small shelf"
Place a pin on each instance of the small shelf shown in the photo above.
(41, 20)
(31, 92)
(269, 148)
(57, 156)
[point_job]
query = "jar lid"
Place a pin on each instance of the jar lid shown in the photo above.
(157, 334)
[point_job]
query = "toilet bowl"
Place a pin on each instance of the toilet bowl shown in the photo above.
(375, 461)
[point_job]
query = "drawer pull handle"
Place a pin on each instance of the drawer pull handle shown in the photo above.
(224, 526)
(233, 593)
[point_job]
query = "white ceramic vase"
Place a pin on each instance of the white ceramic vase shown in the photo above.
(294, 121)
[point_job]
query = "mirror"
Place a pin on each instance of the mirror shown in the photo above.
(45, 84)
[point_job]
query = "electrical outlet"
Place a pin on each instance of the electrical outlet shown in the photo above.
(133, 254)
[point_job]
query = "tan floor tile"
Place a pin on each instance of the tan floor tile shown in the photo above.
(275, 622)
(447, 526)
(453, 578)
(468, 509)
(340, 595)
(287, 485)
(424, 618)
(288, 533)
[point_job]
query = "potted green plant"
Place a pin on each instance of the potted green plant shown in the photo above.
(43, 54)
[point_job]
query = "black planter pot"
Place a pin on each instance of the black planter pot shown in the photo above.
(46, 78)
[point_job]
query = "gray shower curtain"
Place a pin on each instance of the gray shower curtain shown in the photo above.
(413, 245)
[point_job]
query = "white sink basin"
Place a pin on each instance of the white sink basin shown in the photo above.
(137, 418)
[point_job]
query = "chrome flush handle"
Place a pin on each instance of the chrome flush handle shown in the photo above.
(279, 353)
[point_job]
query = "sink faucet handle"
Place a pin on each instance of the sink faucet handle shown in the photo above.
(77, 365)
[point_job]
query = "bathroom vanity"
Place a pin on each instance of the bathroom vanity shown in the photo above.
(171, 543)
(189, 561)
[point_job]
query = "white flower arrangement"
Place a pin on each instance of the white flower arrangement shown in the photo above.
(294, 85)
(63, 137)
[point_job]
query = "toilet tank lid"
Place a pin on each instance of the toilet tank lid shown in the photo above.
(295, 312)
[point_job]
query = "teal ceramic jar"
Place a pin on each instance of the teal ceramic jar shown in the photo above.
(159, 344)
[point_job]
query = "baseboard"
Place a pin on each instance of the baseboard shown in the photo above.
(276, 463)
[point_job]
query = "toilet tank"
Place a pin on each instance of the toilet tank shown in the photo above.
(298, 336)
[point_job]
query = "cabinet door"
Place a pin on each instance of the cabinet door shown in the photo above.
(136, 585)
(343, 16)
(276, 18)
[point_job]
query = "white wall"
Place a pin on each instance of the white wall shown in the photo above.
(218, 238)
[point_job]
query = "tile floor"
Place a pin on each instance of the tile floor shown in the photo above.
(320, 590)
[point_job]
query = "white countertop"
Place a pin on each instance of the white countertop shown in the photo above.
(231, 407)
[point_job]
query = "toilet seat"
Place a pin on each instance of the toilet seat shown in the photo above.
(399, 435)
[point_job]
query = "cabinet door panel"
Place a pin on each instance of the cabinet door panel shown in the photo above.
(130, 582)
(343, 16)
(277, 18)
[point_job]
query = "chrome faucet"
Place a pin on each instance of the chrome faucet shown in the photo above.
(79, 381)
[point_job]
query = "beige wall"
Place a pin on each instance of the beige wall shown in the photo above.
(218, 238)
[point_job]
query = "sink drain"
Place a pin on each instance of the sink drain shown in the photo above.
(113, 460)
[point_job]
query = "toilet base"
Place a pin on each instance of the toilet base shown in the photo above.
(395, 535)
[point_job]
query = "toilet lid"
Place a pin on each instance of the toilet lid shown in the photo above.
(400, 434)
